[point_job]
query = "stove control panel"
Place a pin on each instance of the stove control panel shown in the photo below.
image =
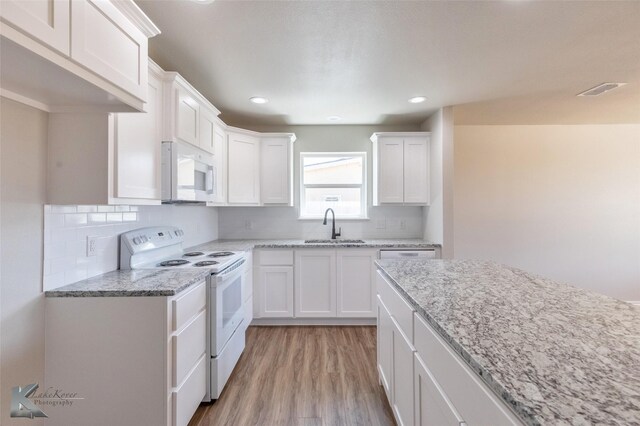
(156, 237)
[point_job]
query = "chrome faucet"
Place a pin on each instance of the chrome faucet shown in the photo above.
(334, 235)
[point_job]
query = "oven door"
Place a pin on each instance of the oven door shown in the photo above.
(195, 174)
(227, 310)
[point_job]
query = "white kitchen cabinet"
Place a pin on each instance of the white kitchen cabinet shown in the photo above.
(207, 133)
(163, 369)
(276, 169)
(75, 56)
(137, 146)
(432, 407)
(401, 168)
(276, 291)
(315, 283)
(402, 377)
(100, 158)
(243, 167)
(109, 44)
(189, 117)
(47, 21)
(356, 294)
(385, 348)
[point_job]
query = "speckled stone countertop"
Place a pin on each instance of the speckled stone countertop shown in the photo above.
(244, 245)
(141, 282)
(556, 354)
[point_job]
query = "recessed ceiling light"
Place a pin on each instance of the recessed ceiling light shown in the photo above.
(600, 89)
(334, 118)
(417, 99)
(203, 1)
(259, 100)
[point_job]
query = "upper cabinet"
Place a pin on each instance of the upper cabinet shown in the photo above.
(101, 158)
(189, 116)
(72, 56)
(243, 167)
(46, 21)
(401, 168)
(276, 169)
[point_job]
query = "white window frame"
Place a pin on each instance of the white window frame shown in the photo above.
(363, 186)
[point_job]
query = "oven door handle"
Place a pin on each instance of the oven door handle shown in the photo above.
(231, 272)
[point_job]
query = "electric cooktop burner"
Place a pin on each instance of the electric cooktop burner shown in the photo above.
(221, 254)
(206, 263)
(193, 253)
(173, 262)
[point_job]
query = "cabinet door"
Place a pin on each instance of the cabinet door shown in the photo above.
(187, 118)
(432, 407)
(107, 43)
(275, 168)
(416, 170)
(385, 348)
(45, 20)
(207, 130)
(356, 283)
(390, 166)
(138, 143)
(276, 291)
(402, 377)
(243, 169)
(315, 283)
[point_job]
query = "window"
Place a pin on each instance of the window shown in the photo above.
(333, 180)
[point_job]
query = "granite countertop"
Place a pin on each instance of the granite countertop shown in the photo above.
(556, 354)
(140, 282)
(244, 245)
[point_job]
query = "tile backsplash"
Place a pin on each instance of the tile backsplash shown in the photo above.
(66, 229)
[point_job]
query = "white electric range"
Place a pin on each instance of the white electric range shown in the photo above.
(162, 248)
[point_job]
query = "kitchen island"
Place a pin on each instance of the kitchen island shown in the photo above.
(553, 353)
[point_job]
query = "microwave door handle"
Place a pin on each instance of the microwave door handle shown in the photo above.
(210, 184)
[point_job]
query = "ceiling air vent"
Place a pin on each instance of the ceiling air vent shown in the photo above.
(600, 89)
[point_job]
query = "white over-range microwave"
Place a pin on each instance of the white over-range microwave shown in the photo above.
(188, 174)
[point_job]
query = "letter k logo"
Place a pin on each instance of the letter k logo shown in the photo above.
(21, 406)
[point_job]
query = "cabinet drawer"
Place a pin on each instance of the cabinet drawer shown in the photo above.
(399, 308)
(188, 305)
(188, 346)
(275, 257)
(472, 399)
(187, 398)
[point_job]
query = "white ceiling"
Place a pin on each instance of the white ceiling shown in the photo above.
(508, 62)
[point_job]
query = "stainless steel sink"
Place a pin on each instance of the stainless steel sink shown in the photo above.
(333, 241)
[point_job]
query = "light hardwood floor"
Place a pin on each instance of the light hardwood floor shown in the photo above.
(302, 376)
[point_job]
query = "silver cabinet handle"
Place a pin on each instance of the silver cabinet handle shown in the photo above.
(409, 254)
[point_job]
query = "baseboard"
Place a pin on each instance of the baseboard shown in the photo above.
(312, 321)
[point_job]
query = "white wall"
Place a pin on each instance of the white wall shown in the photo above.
(438, 216)
(23, 155)
(66, 229)
(282, 222)
(559, 201)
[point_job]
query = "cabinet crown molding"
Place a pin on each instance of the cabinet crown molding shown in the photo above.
(137, 17)
(374, 137)
(174, 77)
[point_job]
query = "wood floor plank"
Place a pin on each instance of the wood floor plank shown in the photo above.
(302, 376)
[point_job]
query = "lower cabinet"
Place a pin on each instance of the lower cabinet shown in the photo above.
(127, 352)
(315, 283)
(276, 291)
(356, 295)
(426, 382)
